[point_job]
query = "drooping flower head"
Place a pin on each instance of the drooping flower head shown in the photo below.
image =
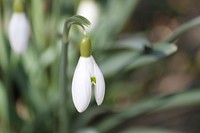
(87, 78)
(19, 28)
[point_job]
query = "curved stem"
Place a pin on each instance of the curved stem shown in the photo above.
(182, 29)
(63, 116)
(63, 84)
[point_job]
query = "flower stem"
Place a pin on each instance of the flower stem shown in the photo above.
(63, 116)
(182, 29)
(63, 83)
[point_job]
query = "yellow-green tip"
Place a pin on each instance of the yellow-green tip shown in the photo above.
(18, 6)
(93, 80)
(85, 46)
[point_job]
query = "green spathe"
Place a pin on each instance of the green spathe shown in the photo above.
(18, 6)
(85, 46)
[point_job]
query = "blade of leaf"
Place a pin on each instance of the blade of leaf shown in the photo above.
(159, 51)
(116, 62)
(136, 42)
(4, 115)
(182, 99)
(113, 21)
(3, 52)
(158, 103)
(38, 23)
(148, 130)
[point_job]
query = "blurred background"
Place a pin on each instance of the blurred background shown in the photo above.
(152, 86)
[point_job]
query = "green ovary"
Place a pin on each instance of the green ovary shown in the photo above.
(18, 6)
(85, 47)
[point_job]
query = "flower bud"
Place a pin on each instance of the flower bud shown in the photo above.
(90, 10)
(18, 32)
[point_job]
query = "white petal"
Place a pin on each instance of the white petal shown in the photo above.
(89, 65)
(18, 32)
(81, 86)
(100, 84)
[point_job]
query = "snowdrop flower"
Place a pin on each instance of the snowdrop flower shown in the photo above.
(18, 30)
(87, 76)
(90, 10)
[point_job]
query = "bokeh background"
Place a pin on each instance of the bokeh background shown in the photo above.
(152, 86)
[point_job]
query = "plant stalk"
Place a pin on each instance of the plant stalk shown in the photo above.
(64, 113)
(63, 85)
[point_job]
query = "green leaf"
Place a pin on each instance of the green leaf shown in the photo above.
(158, 51)
(87, 130)
(135, 42)
(38, 23)
(152, 104)
(181, 99)
(148, 130)
(4, 114)
(84, 119)
(116, 62)
(3, 52)
(182, 29)
(112, 22)
(49, 56)
(121, 60)
(131, 112)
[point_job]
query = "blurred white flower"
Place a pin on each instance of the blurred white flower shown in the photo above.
(90, 10)
(18, 32)
(87, 75)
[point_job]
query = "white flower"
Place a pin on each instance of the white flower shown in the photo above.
(90, 10)
(87, 74)
(18, 32)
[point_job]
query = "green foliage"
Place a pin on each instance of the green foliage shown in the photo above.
(137, 55)
(35, 74)
(150, 105)
(147, 130)
(4, 117)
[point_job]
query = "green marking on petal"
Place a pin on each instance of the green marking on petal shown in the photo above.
(93, 80)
